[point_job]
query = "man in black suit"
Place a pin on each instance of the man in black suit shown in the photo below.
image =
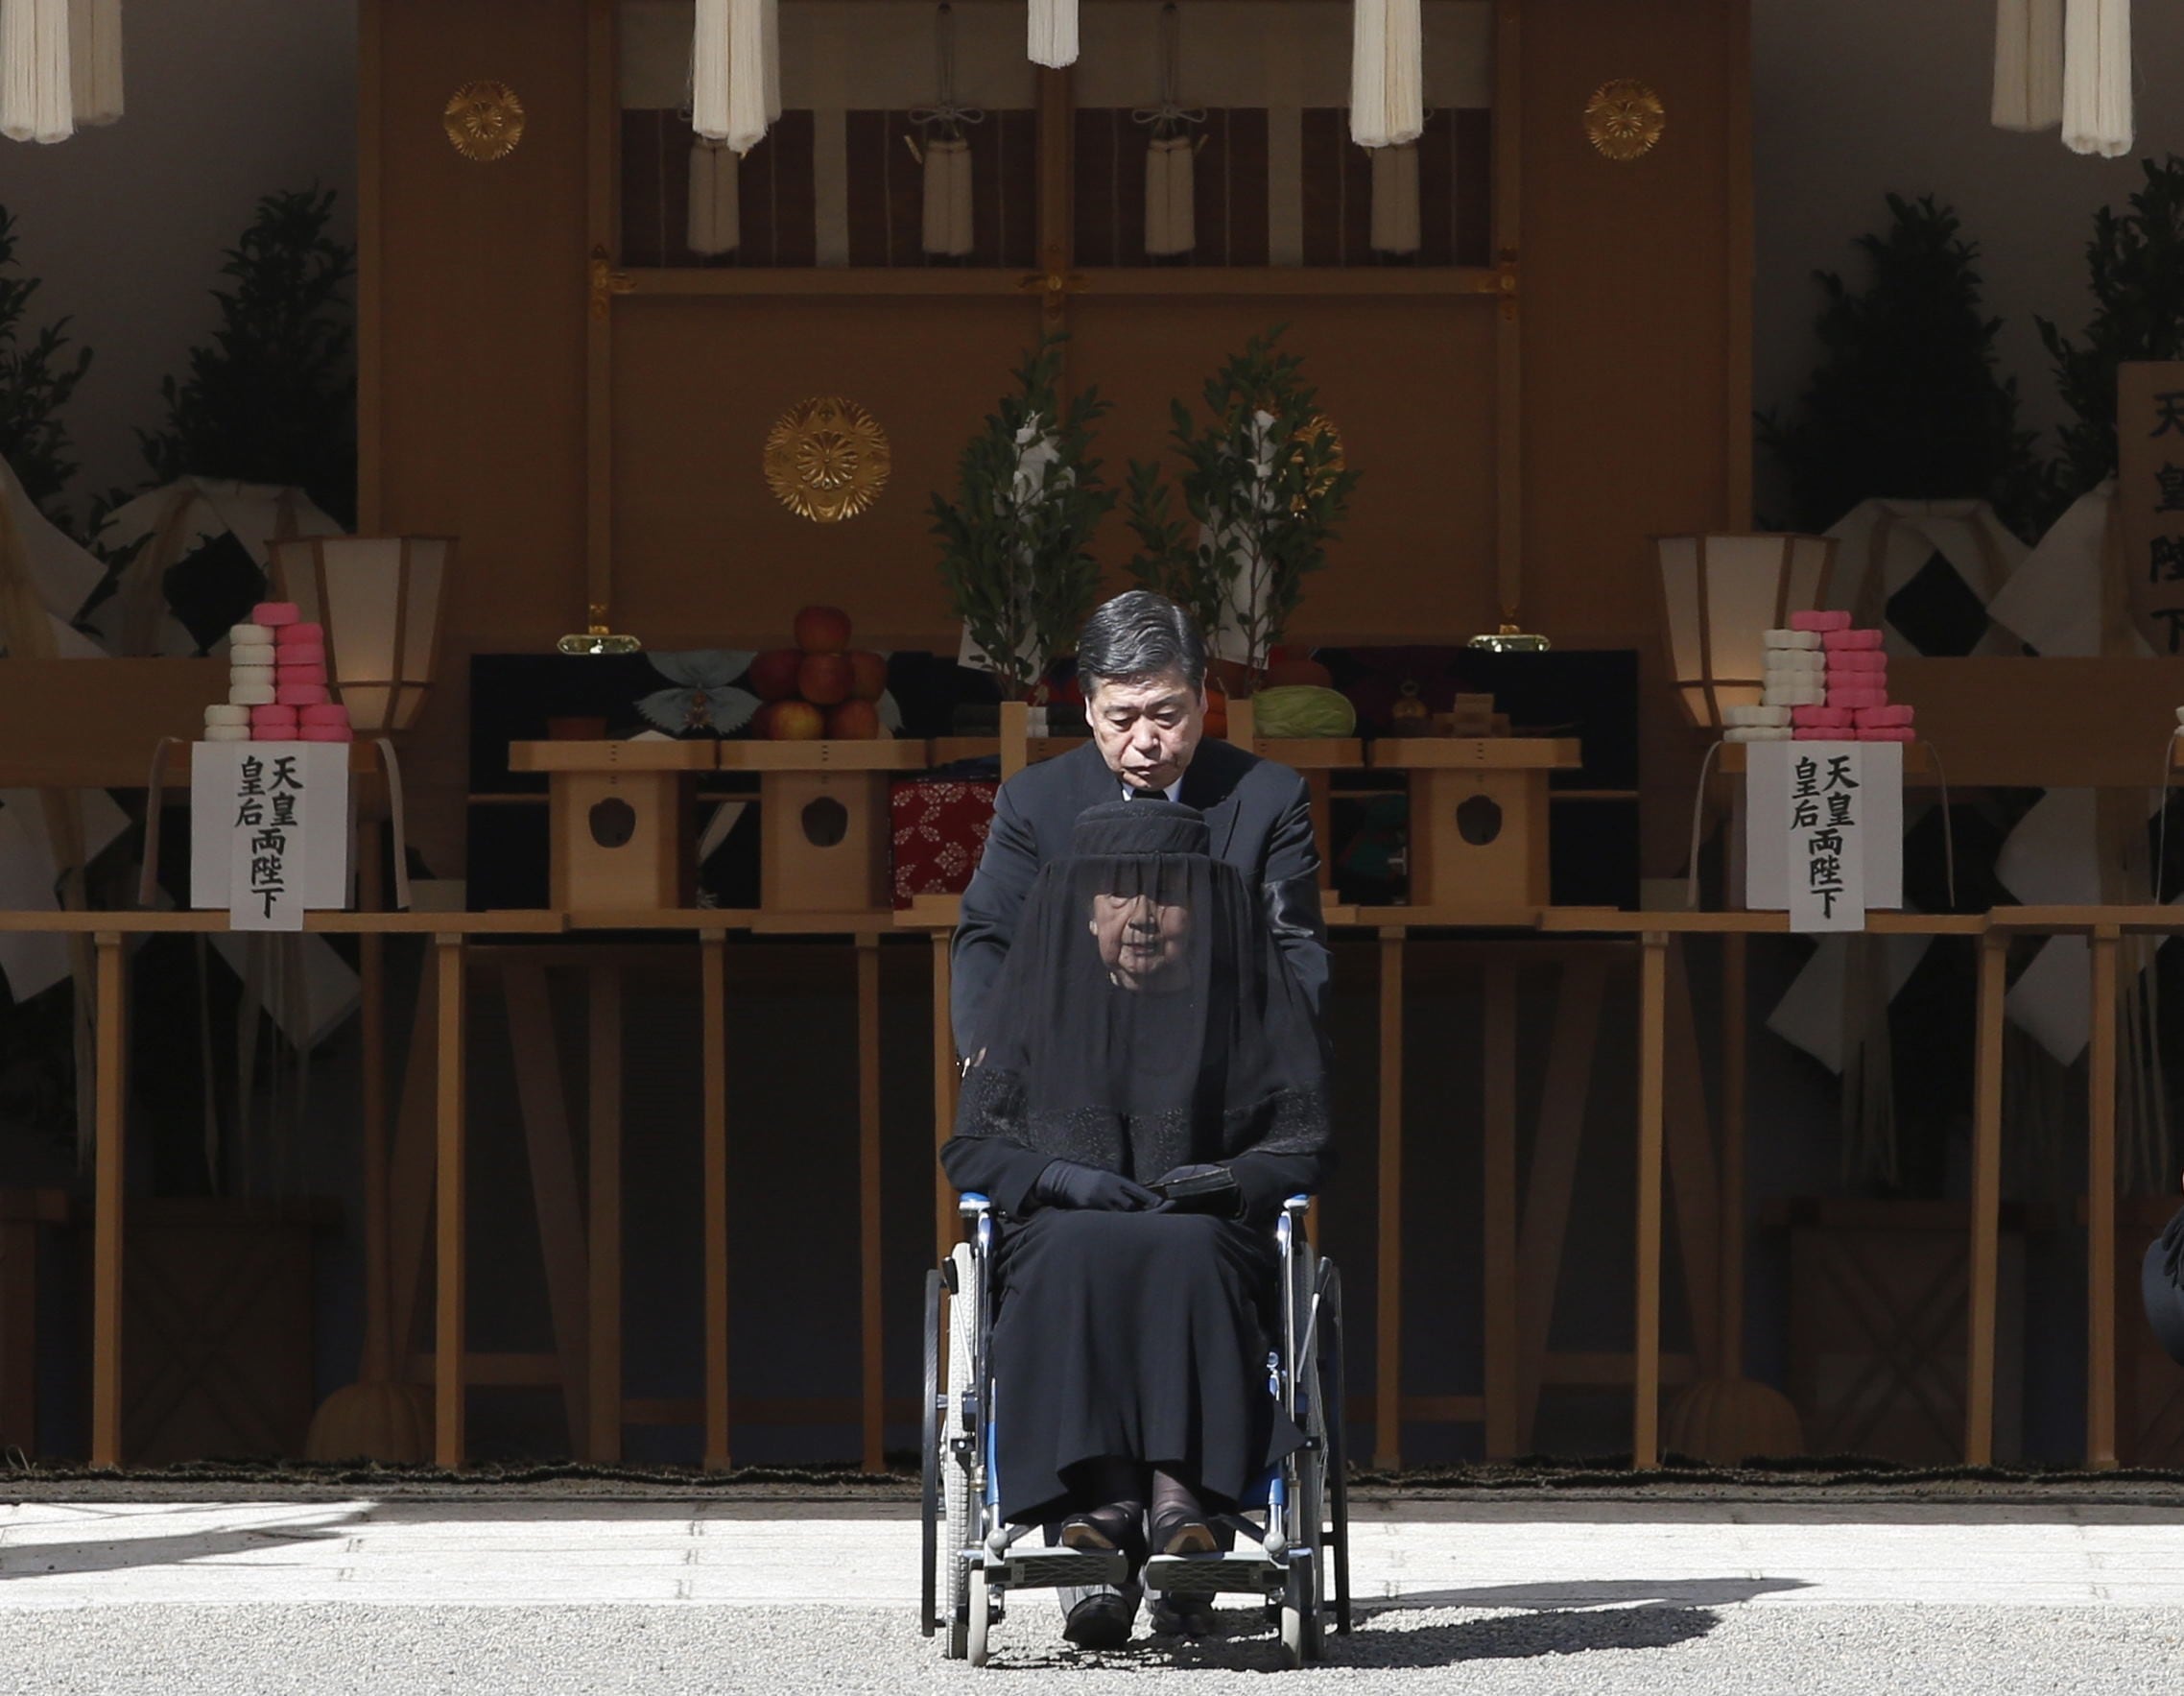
(1143, 668)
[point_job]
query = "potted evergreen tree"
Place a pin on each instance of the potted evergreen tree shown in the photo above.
(1015, 541)
(1263, 482)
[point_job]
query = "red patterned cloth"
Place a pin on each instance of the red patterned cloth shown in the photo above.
(939, 833)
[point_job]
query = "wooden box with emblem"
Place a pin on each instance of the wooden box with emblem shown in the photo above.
(823, 821)
(1478, 839)
(621, 832)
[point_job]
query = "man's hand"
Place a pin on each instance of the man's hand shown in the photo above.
(1068, 1183)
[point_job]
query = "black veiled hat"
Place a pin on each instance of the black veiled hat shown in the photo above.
(1116, 827)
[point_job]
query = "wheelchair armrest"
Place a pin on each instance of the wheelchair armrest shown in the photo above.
(970, 1205)
(1297, 1204)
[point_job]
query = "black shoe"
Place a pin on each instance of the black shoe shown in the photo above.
(1100, 1621)
(1179, 1525)
(1185, 1617)
(1119, 1526)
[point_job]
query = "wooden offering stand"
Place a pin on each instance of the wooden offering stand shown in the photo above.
(1478, 815)
(822, 820)
(621, 819)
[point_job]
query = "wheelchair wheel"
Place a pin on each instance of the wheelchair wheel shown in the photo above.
(975, 1648)
(959, 1492)
(1333, 1391)
(1300, 1619)
(929, 1492)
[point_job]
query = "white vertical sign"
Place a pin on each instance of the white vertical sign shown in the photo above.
(269, 830)
(1824, 831)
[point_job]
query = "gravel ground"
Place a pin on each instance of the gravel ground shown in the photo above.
(332, 1651)
(335, 1650)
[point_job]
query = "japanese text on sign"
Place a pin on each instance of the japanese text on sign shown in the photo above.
(2150, 498)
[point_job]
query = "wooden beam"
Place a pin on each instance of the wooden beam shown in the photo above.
(370, 258)
(110, 1158)
(1739, 273)
(1729, 1273)
(2100, 1210)
(868, 1197)
(1500, 1119)
(603, 127)
(1986, 1203)
(1388, 1293)
(947, 1230)
(449, 1335)
(1652, 1044)
(1689, 1140)
(1503, 281)
(603, 1130)
(712, 1041)
(410, 1169)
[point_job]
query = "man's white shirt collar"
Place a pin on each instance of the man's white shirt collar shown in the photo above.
(1172, 791)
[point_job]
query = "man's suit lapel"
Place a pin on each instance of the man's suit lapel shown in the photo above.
(1090, 782)
(1209, 784)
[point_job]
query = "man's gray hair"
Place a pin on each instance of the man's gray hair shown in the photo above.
(1139, 634)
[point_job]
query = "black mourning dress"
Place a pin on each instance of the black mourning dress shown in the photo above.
(1144, 1020)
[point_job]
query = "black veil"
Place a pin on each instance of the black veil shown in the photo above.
(1145, 1019)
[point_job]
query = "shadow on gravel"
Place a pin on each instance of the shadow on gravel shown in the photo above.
(32, 1559)
(1386, 1638)
(1686, 1592)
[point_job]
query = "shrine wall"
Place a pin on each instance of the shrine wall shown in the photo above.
(474, 350)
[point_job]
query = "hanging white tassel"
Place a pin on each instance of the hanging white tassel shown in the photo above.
(771, 22)
(1052, 38)
(948, 227)
(709, 71)
(1171, 196)
(94, 60)
(2096, 77)
(1395, 199)
(746, 74)
(2028, 63)
(716, 221)
(1388, 77)
(35, 100)
(734, 72)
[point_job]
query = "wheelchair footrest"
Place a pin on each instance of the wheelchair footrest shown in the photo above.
(1212, 1575)
(1040, 1567)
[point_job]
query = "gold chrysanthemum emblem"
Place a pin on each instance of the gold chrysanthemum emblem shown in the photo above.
(483, 120)
(826, 459)
(1625, 119)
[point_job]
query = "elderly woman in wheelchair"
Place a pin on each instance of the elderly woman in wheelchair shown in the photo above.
(1149, 1093)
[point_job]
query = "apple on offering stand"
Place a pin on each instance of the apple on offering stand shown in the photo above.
(821, 689)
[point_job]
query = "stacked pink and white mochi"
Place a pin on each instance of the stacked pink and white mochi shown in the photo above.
(1822, 681)
(276, 682)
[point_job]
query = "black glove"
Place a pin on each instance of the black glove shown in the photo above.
(1066, 1183)
(1201, 1189)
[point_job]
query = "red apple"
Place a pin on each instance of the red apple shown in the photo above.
(825, 678)
(822, 630)
(854, 721)
(795, 721)
(772, 675)
(867, 676)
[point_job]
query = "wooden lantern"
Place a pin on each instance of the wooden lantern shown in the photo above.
(620, 815)
(824, 829)
(1478, 817)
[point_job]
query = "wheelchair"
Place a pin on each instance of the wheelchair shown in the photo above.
(1295, 1554)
